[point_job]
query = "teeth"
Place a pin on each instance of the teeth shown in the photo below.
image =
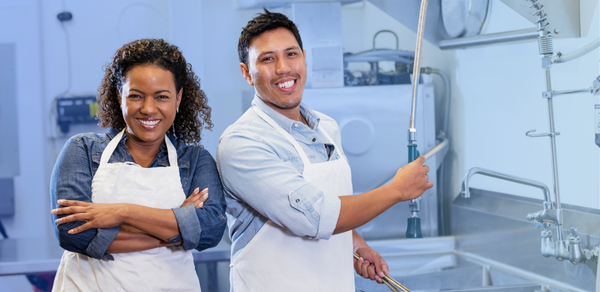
(287, 84)
(149, 123)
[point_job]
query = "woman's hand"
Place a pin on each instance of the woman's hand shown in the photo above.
(197, 198)
(370, 265)
(96, 215)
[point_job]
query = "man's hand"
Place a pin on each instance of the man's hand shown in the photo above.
(411, 181)
(197, 198)
(370, 265)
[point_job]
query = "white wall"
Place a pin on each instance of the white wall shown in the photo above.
(500, 90)
(29, 195)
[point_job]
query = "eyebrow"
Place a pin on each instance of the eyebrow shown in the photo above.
(271, 52)
(156, 92)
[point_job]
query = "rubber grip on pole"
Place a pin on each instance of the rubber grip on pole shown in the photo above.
(414, 228)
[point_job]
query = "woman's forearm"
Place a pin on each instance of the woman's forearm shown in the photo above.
(131, 239)
(160, 223)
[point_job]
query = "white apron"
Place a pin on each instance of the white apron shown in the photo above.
(158, 269)
(276, 260)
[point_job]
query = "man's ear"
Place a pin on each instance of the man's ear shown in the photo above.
(246, 72)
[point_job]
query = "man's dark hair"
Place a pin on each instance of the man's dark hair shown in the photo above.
(261, 23)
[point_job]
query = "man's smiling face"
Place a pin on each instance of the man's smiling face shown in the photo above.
(277, 69)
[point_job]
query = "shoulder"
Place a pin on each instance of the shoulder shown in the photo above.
(89, 141)
(250, 126)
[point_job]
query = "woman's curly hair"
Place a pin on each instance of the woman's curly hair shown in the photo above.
(194, 112)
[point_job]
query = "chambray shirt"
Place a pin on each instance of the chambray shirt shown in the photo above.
(262, 177)
(77, 163)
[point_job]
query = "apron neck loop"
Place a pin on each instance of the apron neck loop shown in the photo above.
(108, 151)
(285, 134)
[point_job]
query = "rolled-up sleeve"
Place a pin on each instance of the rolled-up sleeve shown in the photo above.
(252, 172)
(202, 228)
(72, 180)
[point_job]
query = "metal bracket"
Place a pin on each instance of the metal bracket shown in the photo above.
(547, 94)
(545, 216)
(541, 135)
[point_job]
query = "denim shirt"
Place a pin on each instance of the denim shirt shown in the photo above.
(262, 175)
(77, 163)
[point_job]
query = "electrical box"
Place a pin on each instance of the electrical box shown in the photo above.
(320, 26)
(75, 110)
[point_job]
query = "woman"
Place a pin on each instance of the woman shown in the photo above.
(127, 203)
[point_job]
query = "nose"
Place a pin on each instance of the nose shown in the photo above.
(283, 67)
(148, 106)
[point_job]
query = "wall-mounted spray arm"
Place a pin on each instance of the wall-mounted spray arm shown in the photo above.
(413, 229)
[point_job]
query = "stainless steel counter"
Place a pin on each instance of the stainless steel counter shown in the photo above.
(42, 255)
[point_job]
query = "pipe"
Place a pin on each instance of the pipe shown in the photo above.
(436, 149)
(385, 30)
(487, 39)
(553, 141)
(386, 52)
(358, 58)
(429, 70)
(574, 55)
(572, 91)
(465, 193)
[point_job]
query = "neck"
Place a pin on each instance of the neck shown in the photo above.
(290, 113)
(143, 152)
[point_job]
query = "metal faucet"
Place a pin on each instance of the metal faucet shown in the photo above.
(561, 249)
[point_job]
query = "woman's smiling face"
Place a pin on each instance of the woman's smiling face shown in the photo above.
(149, 102)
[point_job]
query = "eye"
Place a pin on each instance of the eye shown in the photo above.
(163, 97)
(267, 59)
(135, 96)
(292, 54)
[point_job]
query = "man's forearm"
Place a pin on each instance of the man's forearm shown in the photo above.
(409, 183)
(359, 209)
(357, 241)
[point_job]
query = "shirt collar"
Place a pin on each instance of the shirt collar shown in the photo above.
(163, 147)
(283, 121)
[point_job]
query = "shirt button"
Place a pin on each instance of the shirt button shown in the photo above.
(297, 200)
(295, 124)
(314, 139)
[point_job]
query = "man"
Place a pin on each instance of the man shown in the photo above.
(288, 186)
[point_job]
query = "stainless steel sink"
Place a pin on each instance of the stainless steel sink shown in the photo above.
(463, 276)
(432, 265)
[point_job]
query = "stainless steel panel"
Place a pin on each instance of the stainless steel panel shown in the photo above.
(493, 226)
(407, 13)
(567, 18)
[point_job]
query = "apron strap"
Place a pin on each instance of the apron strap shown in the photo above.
(172, 152)
(108, 151)
(285, 134)
(112, 145)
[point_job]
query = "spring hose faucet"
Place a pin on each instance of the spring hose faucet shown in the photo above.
(413, 229)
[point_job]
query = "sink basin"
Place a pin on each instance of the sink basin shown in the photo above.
(434, 266)
(461, 276)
